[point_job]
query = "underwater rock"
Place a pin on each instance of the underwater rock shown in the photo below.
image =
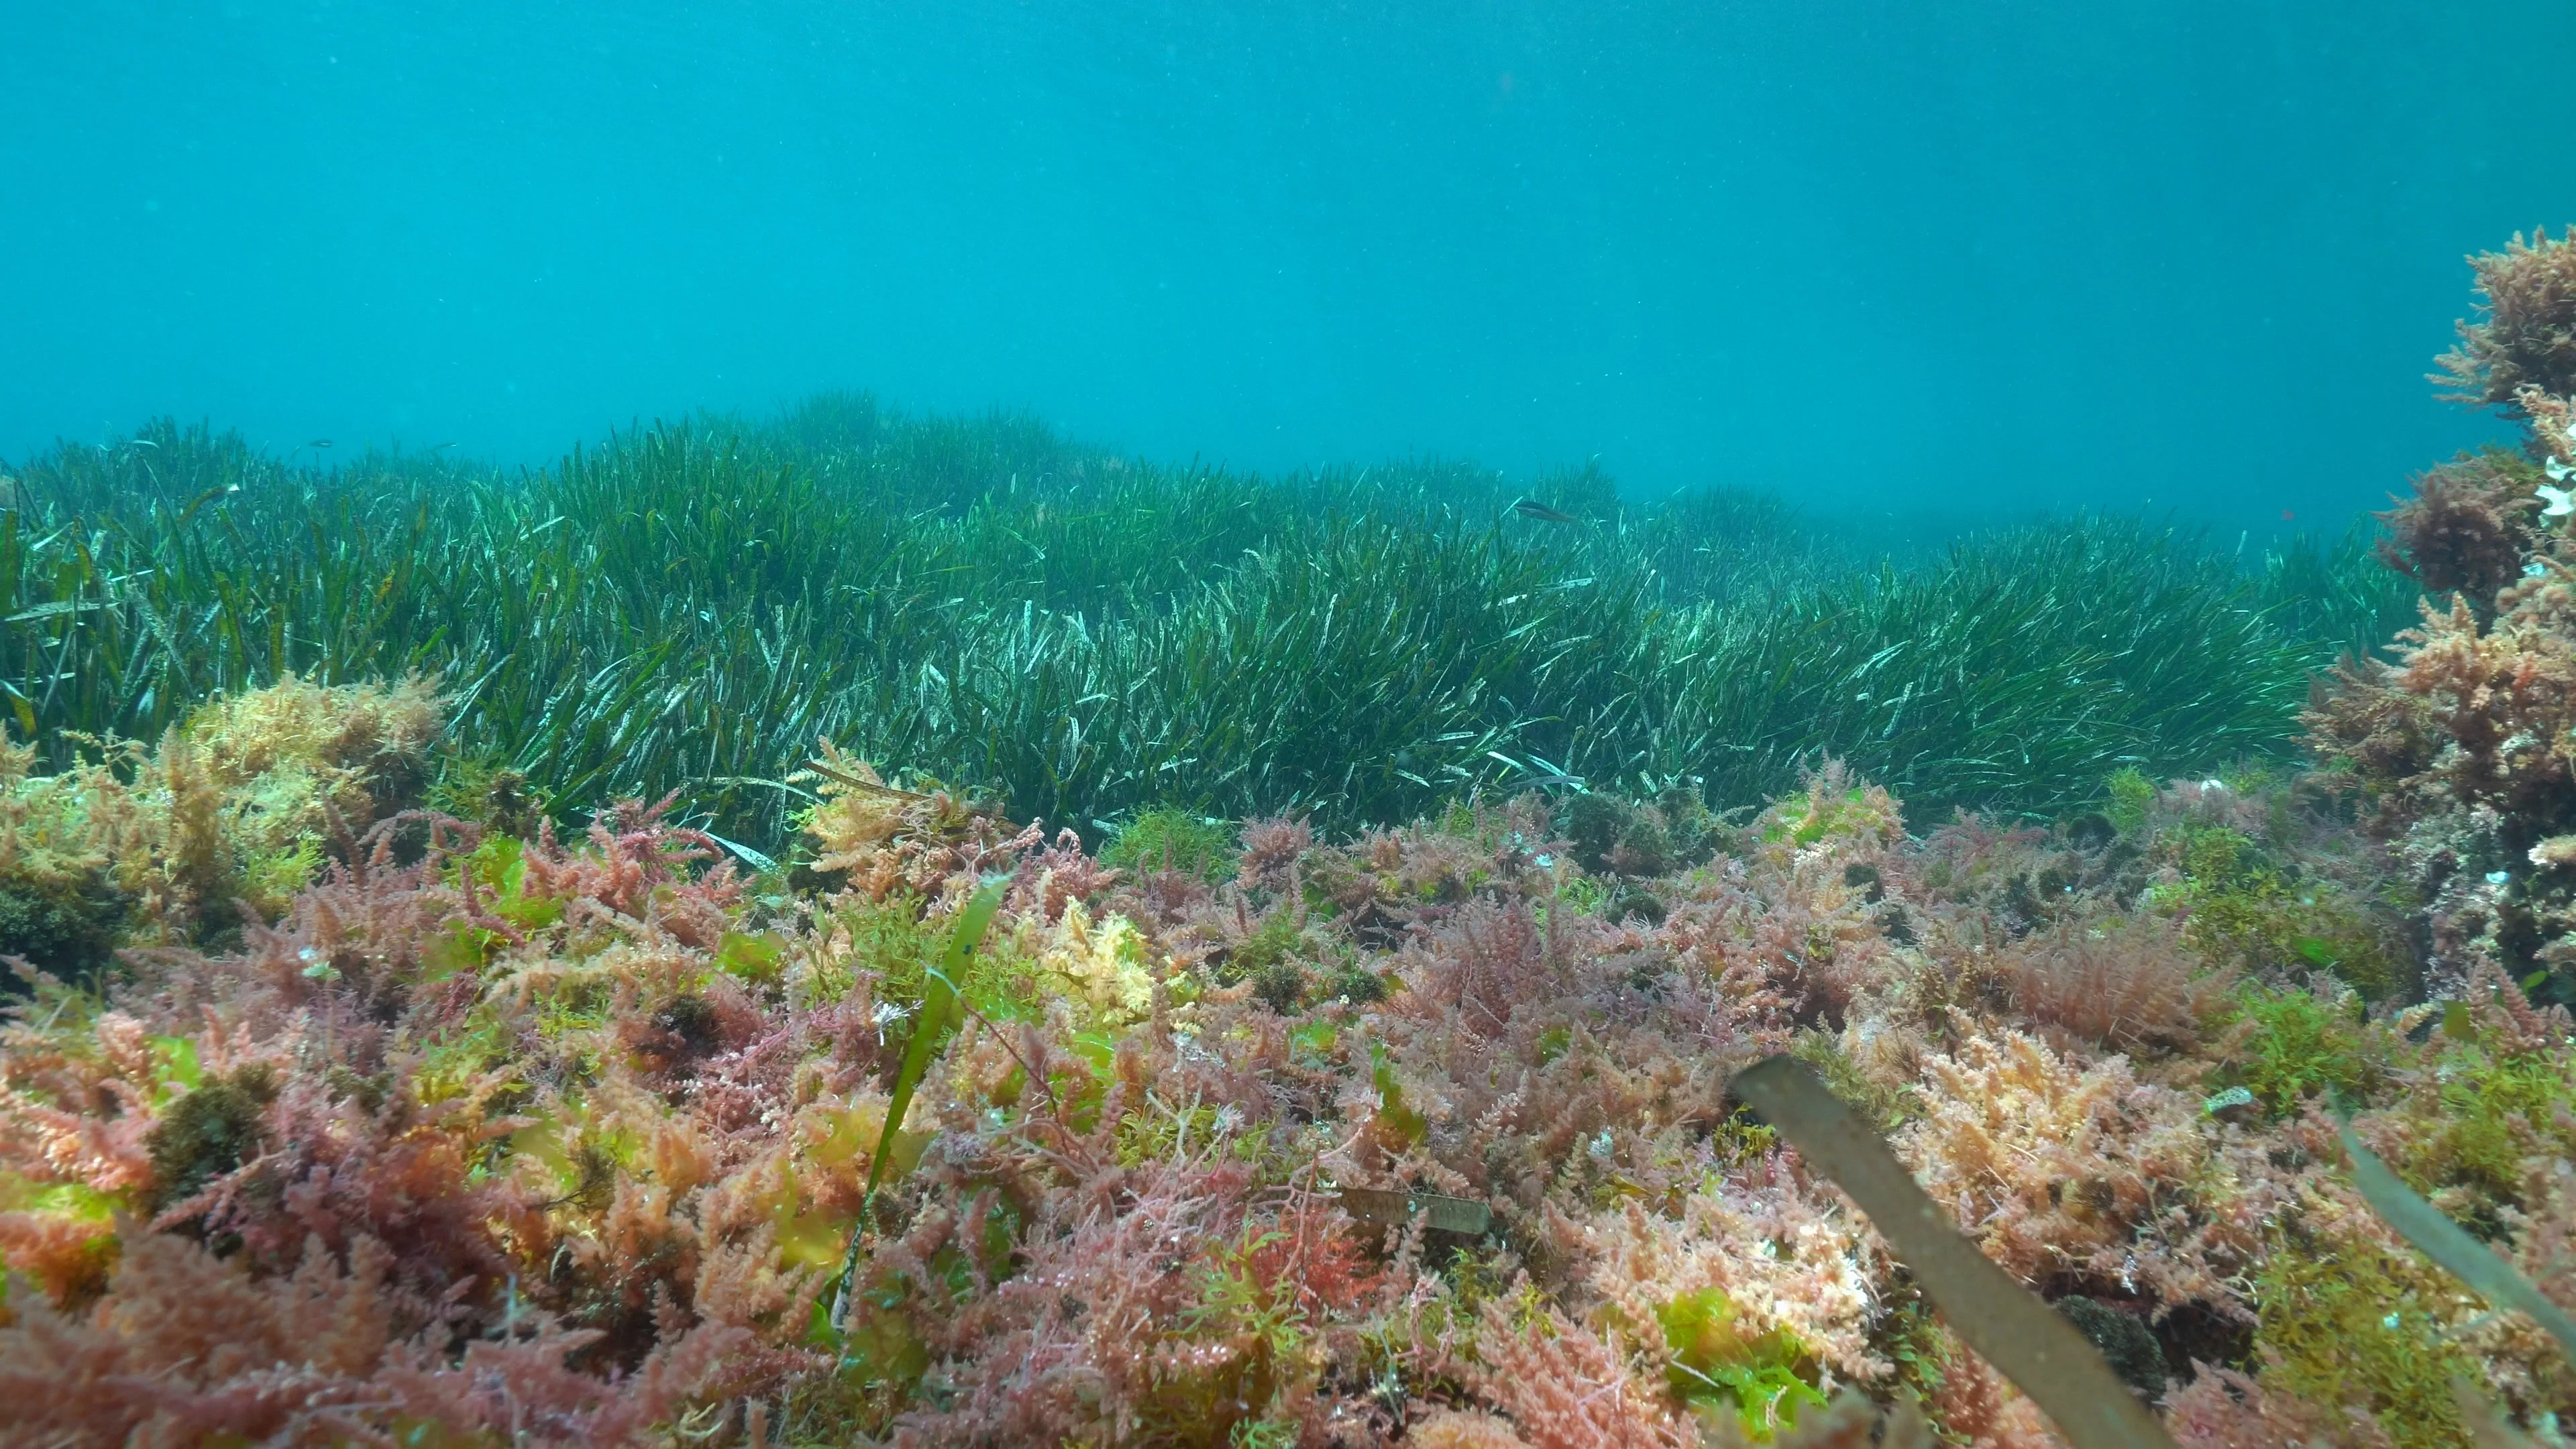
(2125, 1342)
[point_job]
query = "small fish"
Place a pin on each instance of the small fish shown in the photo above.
(2288, 517)
(319, 443)
(1532, 508)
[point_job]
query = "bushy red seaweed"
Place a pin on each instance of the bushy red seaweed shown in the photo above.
(560, 1141)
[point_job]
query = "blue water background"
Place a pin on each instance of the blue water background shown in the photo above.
(1988, 255)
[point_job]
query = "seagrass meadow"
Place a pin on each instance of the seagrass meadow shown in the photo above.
(857, 929)
(1081, 637)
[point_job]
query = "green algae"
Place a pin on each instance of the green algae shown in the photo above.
(2300, 1046)
(1169, 838)
(2242, 908)
(2347, 1323)
(1763, 1376)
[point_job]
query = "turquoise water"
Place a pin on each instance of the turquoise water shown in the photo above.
(1877, 256)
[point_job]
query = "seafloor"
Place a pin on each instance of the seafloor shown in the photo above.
(384, 1070)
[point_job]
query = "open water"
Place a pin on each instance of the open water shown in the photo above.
(2185, 254)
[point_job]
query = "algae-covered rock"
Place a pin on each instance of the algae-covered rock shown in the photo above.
(1612, 836)
(62, 931)
(2124, 1341)
(207, 1133)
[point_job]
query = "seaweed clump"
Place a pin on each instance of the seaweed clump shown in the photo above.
(2463, 746)
(2525, 347)
(238, 805)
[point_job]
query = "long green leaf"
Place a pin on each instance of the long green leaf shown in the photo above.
(933, 1021)
(939, 1014)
